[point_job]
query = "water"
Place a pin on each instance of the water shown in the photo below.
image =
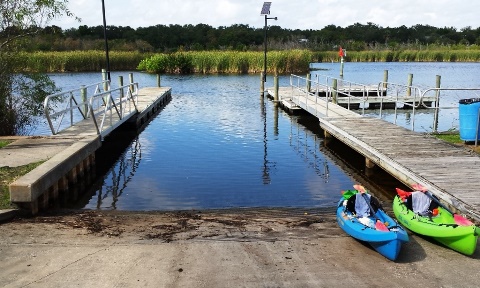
(217, 144)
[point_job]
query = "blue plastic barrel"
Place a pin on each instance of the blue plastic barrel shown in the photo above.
(468, 117)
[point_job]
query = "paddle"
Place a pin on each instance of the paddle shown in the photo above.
(379, 225)
(459, 219)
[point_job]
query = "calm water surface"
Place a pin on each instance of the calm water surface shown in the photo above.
(218, 144)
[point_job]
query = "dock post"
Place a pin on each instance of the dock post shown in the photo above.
(262, 84)
(104, 79)
(437, 102)
(120, 83)
(369, 163)
(334, 92)
(385, 80)
(275, 88)
(409, 84)
(83, 96)
(309, 82)
(122, 94)
(158, 80)
(130, 79)
(342, 63)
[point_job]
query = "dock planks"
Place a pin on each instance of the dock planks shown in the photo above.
(449, 171)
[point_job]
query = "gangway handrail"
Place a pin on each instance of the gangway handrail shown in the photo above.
(329, 89)
(71, 104)
(118, 104)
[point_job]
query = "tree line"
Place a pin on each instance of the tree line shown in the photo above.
(241, 37)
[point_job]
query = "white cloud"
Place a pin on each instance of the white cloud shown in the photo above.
(300, 14)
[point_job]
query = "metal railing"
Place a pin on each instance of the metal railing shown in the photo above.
(106, 108)
(404, 98)
(401, 95)
(112, 108)
(75, 105)
(333, 88)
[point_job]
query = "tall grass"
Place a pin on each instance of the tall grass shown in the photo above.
(77, 61)
(287, 61)
(205, 62)
(415, 56)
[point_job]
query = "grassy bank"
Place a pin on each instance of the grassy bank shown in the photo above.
(9, 175)
(282, 62)
(78, 61)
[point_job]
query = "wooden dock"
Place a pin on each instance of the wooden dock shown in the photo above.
(450, 172)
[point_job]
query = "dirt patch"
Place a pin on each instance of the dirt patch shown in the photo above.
(186, 225)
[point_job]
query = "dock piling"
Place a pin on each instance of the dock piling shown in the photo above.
(275, 87)
(438, 80)
(334, 91)
(385, 81)
(409, 84)
(262, 84)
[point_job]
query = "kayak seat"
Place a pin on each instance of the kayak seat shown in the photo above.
(373, 202)
(426, 210)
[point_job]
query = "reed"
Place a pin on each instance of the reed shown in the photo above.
(206, 62)
(437, 55)
(77, 61)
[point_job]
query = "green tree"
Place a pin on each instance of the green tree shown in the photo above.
(21, 95)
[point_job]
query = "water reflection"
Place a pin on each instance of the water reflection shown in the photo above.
(119, 176)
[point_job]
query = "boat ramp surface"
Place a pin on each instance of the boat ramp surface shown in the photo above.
(450, 172)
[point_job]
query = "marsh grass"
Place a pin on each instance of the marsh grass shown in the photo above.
(233, 62)
(78, 61)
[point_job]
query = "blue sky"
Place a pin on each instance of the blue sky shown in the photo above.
(292, 14)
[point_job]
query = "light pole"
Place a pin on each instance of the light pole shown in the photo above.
(266, 12)
(106, 42)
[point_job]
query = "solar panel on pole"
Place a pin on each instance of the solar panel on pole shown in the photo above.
(266, 8)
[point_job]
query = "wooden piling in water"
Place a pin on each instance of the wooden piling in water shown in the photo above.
(130, 78)
(275, 89)
(409, 84)
(309, 82)
(438, 80)
(334, 91)
(104, 79)
(262, 84)
(83, 96)
(385, 81)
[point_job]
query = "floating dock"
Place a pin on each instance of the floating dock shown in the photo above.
(408, 156)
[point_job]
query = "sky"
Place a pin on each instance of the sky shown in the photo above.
(292, 14)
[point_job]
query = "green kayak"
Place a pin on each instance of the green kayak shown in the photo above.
(441, 227)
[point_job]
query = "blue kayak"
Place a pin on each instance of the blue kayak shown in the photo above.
(388, 242)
